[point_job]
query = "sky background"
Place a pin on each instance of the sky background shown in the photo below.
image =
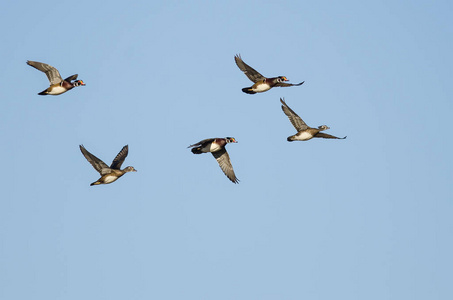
(369, 217)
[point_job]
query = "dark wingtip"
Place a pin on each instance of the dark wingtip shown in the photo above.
(235, 181)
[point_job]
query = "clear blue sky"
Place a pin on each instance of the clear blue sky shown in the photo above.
(369, 217)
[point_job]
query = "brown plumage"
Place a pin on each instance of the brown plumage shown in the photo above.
(304, 132)
(108, 174)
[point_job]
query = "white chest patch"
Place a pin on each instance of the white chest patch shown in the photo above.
(262, 88)
(304, 136)
(214, 147)
(57, 90)
(110, 179)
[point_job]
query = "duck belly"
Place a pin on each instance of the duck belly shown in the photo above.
(303, 136)
(57, 90)
(110, 178)
(261, 88)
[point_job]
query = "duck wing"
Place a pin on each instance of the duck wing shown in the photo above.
(223, 159)
(200, 143)
(120, 157)
(71, 78)
(52, 74)
(97, 164)
(250, 72)
(327, 136)
(297, 122)
(283, 84)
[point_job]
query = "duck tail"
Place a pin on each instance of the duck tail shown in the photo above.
(196, 150)
(95, 183)
(43, 93)
(248, 91)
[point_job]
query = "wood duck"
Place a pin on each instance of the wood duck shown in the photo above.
(217, 147)
(108, 174)
(58, 86)
(262, 83)
(304, 132)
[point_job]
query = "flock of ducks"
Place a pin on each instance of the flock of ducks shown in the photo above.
(216, 146)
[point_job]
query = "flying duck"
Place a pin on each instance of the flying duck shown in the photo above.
(304, 132)
(262, 83)
(108, 174)
(58, 86)
(217, 147)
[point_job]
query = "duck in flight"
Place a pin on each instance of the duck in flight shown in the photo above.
(304, 132)
(217, 147)
(261, 83)
(108, 174)
(58, 86)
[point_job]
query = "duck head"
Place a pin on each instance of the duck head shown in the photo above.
(230, 140)
(129, 169)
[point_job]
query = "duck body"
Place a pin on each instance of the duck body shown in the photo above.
(264, 85)
(304, 135)
(60, 88)
(209, 145)
(261, 83)
(57, 86)
(108, 174)
(216, 146)
(109, 178)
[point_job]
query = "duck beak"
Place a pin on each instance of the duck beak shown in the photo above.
(83, 83)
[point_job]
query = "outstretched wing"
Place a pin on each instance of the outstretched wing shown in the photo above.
(251, 73)
(201, 142)
(98, 164)
(283, 84)
(52, 74)
(297, 122)
(223, 159)
(120, 157)
(71, 78)
(327, 136)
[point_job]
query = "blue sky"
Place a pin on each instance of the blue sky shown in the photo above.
(368, 217)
